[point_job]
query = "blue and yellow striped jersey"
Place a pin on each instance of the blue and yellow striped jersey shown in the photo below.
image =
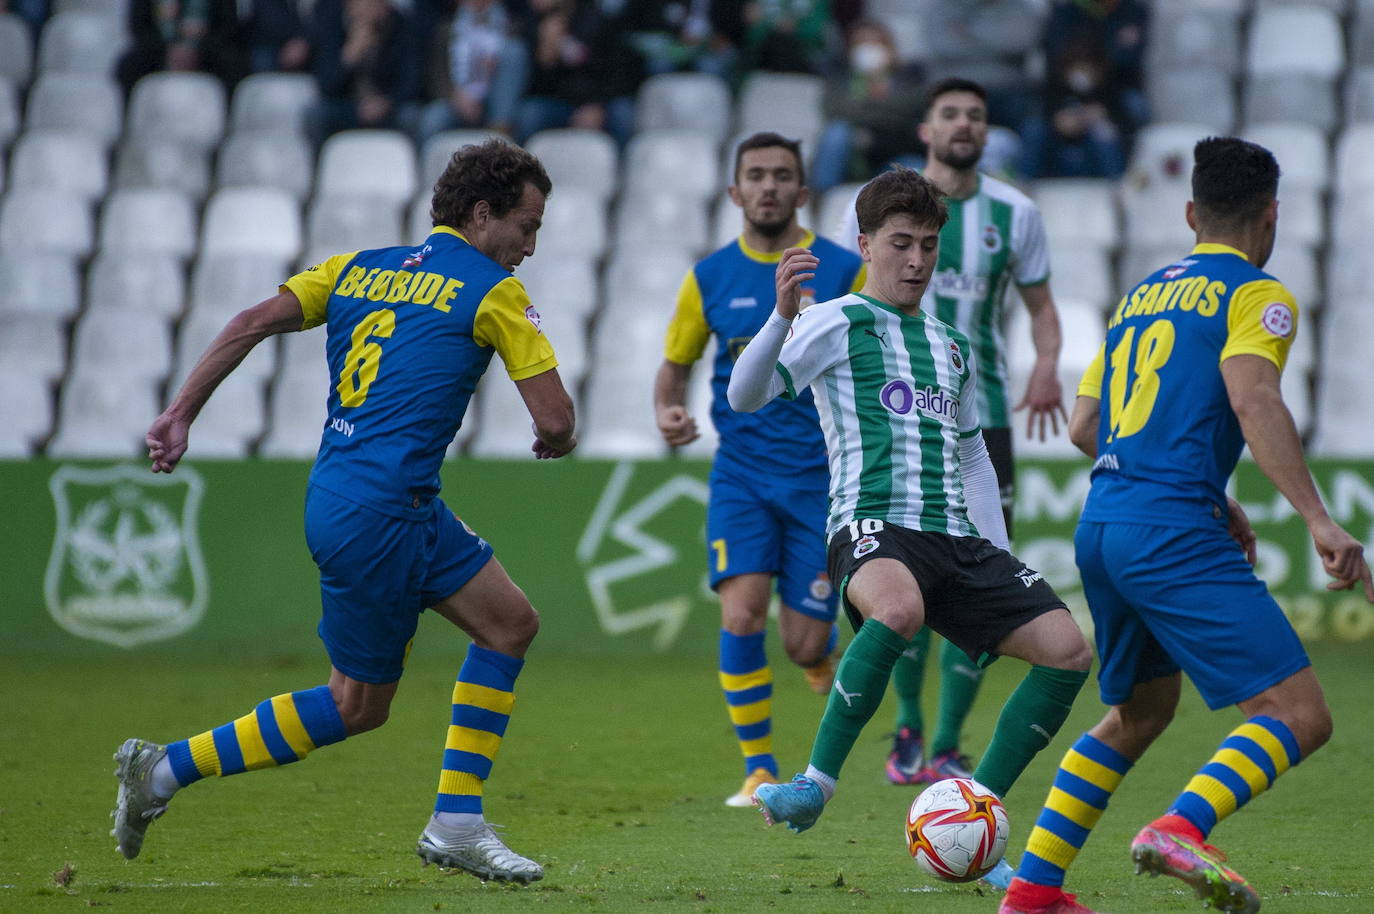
(1167, 438)
(410, 332)
(730, 294)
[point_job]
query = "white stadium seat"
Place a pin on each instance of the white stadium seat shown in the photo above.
(1083, 272)
(100, 416)
(225, 284)
(194, 337)
(340, 224)
(1299, 97)
(28, 413)
(155, 283)
(299, 397)
(563, 283)
(45, 220)
(60, 160)
(272, 101)
(574, 224)
(651, 220)
(123, 343)
(39, 283)
(80, 41)
(1342, 423)
(9, 116)
(266, 158)
(439, 149)
(787, 103)
(16, 49)
(1295, 38)
(169, 164)
(1354, 166)
(371, 163)
(233, 419)
(498, 423)
(35, 344)
(1303, 153)
(76, 101)
(578, 158)
(1295, 265)
(697, 101)
(618, 407)
(1205, 94)
(244, 220)
(186, 107)
(1079, 211)
(679, 161)
(148, 220)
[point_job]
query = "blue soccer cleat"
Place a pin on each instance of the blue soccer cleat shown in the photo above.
(907, 761)
(947, 764)
(798, 803)
(1001, 875)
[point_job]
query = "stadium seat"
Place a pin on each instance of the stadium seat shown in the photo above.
(152, 282)
(194, 337)
(1352, 213)
(618, 406)
(1198, 36)
(1303, 153)
(168, 164)
(1164, 151)
(45, 220)
(578, 158)
(341, 224)
(81, 102)
(9, 116)
(1299, 97)
(497, 423)
(1343, 428)
(16, 50)
(834, 210)
(1203, 95)
(28, 413)
(1354, 166)
(697, 101)
(39, 283)
(266, 158)
(1349, 272)
(181, 106)
(148, 220)
(558, 282)
(788, 103)
(654, 280)
(123, 343)
(1359, 94)
(35, 344)
(1082, 271)
(245, 220)
(225, 284)
(566, 331)
(438, 149)
(118, 8)
(79, 41)
(299, 398)
(272, 101)
(574, 224)
(60, 160)
(1155, 219)
(1079, 211)
(233, 419)
(1295, 265)
(679, 161)
(649, 220)
(1292, 38)
(372, 163)
(726, 222)
(101, 418)
(1302, 215)
(419, 224)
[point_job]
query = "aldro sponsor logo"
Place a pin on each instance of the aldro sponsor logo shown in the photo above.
(899, 397)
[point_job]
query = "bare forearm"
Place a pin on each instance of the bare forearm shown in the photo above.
(1046, 335)
(225, 352)
(670, 385)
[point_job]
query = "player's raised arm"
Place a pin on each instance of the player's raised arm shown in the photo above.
(167, 436)
(1252, 384)
(552, 411)
(797, 267)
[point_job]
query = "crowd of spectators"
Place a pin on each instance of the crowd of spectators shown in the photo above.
(1065, 83)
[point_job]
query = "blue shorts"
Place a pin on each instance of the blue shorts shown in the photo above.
(378, 573)
(1165, 599)
(753, 526)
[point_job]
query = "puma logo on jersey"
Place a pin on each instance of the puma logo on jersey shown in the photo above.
(1042, 731)
(880, 337)
(847, 696)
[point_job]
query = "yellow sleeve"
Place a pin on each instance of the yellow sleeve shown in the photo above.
(1091, 385)
(1262, 320)
(507, 322)
(314, 286)
(859, 278)
(688, 330)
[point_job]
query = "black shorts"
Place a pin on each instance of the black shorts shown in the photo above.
(975, 594)
(998, 443)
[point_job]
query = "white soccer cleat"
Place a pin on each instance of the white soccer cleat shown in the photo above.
(477, 850)
(745, 797)
(136, 806)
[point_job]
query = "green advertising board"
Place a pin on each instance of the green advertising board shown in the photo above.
(104, 557)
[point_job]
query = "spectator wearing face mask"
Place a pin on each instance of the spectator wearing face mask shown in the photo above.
(870, 107)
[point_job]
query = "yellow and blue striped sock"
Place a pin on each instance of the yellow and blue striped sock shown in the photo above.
(1088, 775)
(747, 681)
(279, 731)
(482, 700)
(1250, 759)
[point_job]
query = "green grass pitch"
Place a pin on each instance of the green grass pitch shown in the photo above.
(612, 775)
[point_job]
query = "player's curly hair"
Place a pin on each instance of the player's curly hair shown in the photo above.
(495, 171)
(900, 191)
(1234, 180)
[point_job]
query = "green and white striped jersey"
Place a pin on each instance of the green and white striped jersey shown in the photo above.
(992, 239)
(895, 394)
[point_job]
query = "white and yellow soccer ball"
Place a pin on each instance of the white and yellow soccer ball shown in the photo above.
(956, 830)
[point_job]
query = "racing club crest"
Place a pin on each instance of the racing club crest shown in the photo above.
(126, 565)
(956, 358)
(992, 238)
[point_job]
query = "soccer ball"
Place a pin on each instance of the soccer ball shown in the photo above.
(956, 830)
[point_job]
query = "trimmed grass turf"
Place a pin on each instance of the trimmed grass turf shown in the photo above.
(612, 775)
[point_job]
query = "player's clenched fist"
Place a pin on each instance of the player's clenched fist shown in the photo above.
(797, 266)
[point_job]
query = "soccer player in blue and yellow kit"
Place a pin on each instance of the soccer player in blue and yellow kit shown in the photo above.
(410, 332)
(1188, 376)
(769, 480)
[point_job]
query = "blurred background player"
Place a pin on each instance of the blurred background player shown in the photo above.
(1188, 376)
(405, 349)
(915, 531)
(994, 238)
(768, 483)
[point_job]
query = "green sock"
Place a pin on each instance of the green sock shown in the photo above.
(859, 685)
(959, 682)
(1029, 720)
(908, 676)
